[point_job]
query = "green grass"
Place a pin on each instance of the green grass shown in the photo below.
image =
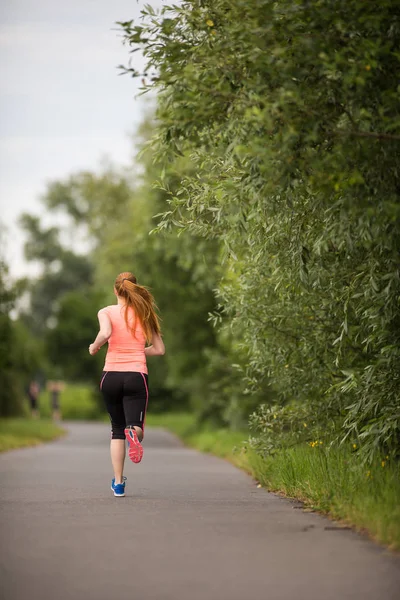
(221, 442)
(332, 481)
(77, 402)
(17, 433)
(179, 423)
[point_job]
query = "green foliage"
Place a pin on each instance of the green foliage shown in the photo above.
(62, 271)
(68, 341)
(224, 398)
(10, 401)
(288, 115)
(20, 354)
(278, 427)
(93, 201)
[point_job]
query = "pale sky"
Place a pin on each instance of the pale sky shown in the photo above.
(63, 106)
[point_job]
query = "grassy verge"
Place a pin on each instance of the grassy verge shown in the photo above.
(330, 481)
(335, 482)
(17, 433)
(220, 442)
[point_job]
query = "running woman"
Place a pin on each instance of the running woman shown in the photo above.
(127, 326)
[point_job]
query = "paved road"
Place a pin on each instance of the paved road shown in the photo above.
(192, 527)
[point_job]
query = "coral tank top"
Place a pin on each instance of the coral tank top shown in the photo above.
(125, 349)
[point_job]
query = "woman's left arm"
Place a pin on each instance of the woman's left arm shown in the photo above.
(104, 333)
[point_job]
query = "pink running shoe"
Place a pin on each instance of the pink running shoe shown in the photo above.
(135, 448)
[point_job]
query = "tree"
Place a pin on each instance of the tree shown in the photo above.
(21, 356)
(68, 341)
(289, 111)
(62, 271)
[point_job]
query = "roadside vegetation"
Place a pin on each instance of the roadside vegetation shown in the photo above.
(20, 432)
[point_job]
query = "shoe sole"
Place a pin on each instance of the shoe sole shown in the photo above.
(135, 448)
(117, 495)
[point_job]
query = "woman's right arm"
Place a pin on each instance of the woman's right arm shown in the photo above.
(157, 347)
(104, 334)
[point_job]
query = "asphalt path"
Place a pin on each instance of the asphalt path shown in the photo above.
(191, 527)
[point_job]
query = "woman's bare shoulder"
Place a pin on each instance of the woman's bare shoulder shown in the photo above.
(107, 309)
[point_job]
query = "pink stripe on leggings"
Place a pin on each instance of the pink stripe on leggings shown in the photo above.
(147, 398)
(103, 378)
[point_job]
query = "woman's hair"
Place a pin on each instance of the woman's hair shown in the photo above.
(140, 299)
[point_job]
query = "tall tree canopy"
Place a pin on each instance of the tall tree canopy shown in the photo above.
(288, 112)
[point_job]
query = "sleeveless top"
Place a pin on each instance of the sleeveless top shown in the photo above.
(125, 349)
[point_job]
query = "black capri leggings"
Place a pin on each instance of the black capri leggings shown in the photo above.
(126, 395)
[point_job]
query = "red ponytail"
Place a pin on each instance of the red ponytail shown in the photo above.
(141, 301)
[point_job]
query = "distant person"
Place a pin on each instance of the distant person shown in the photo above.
(55, 388)
(33, 395)
(127, 326)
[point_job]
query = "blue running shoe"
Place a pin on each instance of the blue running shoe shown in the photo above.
(118, 488)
